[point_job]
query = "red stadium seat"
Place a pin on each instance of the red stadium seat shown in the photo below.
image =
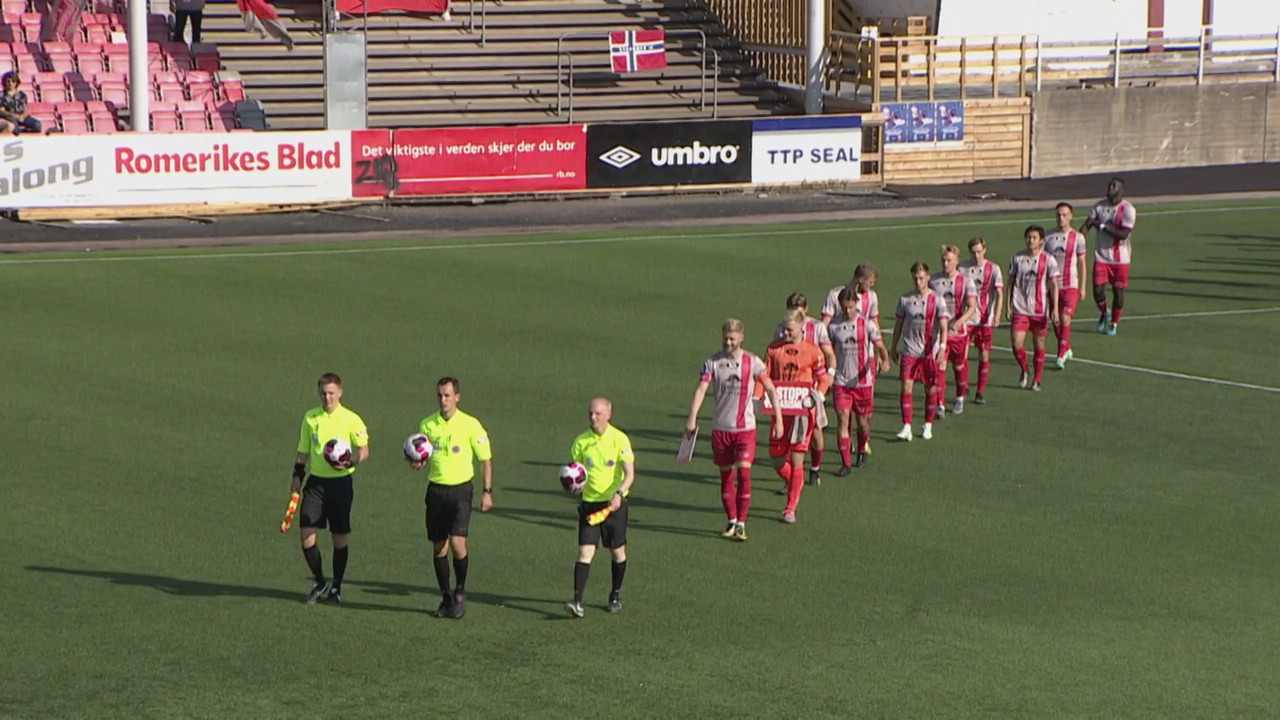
(194, 116)
(170, 92)
(164, 121)
(73, 118)
(79, 88)
(112, 88)
(208, 60)
(15, 7)
(6, 63)
(97, 34)
(51, 87)
(104, 124)
(231, 90)
(28, 65)
(90, 61)
(202, 92)
(43, 112)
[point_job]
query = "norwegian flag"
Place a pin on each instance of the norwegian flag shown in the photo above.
(636, 50)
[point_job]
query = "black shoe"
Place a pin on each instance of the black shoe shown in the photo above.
(860, 461)
(321, 587)
(459, 605)
(815, 477)
(335, 595)
(446, 607)
(979, 399)
(843, 471)
(615, 604)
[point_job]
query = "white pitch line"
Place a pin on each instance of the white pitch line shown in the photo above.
(1210, 313)
(1178, 375)
(576, 241)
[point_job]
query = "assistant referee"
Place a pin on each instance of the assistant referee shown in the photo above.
(327, 497)
(606, 453)
(459, 440)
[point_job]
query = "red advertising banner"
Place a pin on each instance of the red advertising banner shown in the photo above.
(468, 161)
(370, 7)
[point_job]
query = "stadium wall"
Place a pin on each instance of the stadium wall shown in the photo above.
(995, 144)
(1145, 128)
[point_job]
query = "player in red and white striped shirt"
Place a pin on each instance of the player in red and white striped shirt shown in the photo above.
(1033, 301)
(859, 354)
(921, 331)
(814, 332)
(733, 375)
(989, 282)
(1067, 247)
(864, 283)
(958, 291)
(1114, 217)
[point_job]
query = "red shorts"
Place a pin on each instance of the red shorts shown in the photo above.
(859, 399)
(924, 369)
(1068, 300)
(981, 337)
(957, 349)
(1109, 274)
(1036, 326)
(730, 447)
(797, 432)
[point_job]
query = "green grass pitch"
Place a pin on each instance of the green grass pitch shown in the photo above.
(1105, 548)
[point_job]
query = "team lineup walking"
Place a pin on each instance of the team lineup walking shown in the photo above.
(842, 355)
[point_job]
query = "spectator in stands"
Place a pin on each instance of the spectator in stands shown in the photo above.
(182, 10)
(13, 108)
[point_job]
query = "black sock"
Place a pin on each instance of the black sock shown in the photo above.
(442, 574)
(339, 565)
(580, 572)
(312, 554)
(619, 571)
(460, 570)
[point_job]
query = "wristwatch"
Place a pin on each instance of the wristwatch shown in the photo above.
(488, 491)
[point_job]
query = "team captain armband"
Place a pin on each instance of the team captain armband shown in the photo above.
(794, 398)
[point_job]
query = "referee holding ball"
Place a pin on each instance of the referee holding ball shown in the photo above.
(606, 453)
(327, 497)
(459, 440)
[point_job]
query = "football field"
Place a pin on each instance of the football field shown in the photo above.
(1107, 547)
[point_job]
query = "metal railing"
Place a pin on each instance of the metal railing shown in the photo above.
(484, 19)
(928, 66)
(704, 51)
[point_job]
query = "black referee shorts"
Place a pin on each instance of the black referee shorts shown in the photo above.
(612, 533)
(448, 510)
(326, 502)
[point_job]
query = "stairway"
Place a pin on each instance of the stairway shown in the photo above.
(425, 72)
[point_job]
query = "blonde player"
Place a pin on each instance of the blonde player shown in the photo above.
(958, 291)
(989, 283)
(814, 332)
(799, 371)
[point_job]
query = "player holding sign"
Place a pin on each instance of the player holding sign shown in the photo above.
(1114, 217)
(814, 332)
(733, 374)
(921, 331)
(799, 372)
(989, 282)
(1067, 248)
(1033, 301)
(859, 354)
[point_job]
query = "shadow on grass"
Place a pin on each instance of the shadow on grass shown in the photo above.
(547, 607)
(198, 588)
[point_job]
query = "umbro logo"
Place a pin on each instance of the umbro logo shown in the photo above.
(620, 157)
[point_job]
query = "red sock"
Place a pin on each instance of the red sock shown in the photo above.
(1057, 332)
(1115, 315)
(784, 472)
(816, 457)
(728, 493)
(846, 451)
(1064, 339)
(962, 378)
(1102, 306)
(1020, 354)
(863, 439)
(794, 487)
(931, 400)
(984, 374)
(744, 493)
(940, 389)
(904, 401)
(1039, 358)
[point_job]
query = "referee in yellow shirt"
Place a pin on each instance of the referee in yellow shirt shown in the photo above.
(459, 439)
(327, 497)
(605, 451)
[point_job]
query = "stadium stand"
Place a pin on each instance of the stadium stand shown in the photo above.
(426, 73)
(82, 85)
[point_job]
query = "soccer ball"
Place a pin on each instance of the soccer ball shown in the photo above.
(337, 451)
(573, 477)
(418, 448)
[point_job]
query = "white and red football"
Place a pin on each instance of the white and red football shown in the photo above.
(573, 477)
(418, 448)
(337, 451)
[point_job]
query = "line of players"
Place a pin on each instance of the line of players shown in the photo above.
(935, 324)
